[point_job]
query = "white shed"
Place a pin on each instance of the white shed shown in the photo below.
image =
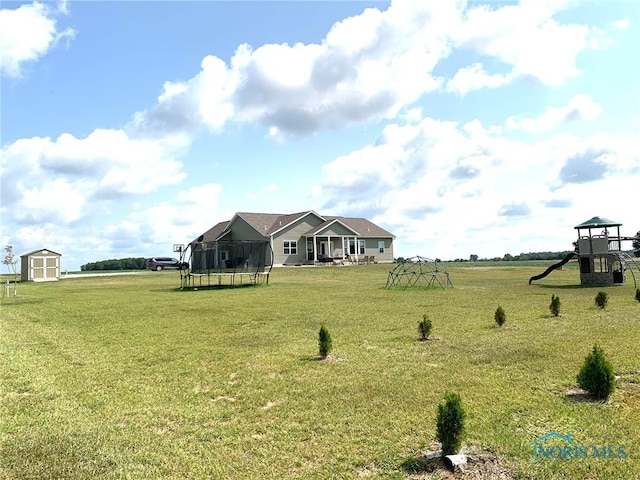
(40, 266)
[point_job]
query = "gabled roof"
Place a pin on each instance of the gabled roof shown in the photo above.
(327, 223)
(41, 250)
(268, 224)
(364, 227)
(213, 233)
(598, 222)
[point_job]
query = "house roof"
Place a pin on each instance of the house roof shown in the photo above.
(598, 222)
(40, 250)
(327, 223)
(213, 233)
(269, 223)
(364, 227)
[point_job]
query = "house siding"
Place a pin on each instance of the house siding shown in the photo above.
(295, 232)
(241, 230)
(336, 230)
(371, 246)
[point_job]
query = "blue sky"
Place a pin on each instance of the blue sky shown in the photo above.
(462, 127)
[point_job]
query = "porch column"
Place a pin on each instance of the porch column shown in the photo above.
(315, 251)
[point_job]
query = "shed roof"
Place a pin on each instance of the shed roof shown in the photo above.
(43, 251)
(597, 222)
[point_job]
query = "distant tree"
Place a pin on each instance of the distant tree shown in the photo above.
(507, 257)
(473, 257)
(139, 263)
(636, 245)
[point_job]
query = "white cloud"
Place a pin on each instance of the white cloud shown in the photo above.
(580, 107)
(441, 187)
(622, 24)
(26, 34)
(368, 67)
(475, 77)
(44, 178)
(296, 90)
(527, 38)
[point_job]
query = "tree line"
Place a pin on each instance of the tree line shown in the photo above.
(139, 263)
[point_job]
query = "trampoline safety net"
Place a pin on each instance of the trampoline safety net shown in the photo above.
(227, 262)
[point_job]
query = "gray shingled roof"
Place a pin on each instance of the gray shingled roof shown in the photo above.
(213, 233)
(362, 226)
(268, 223)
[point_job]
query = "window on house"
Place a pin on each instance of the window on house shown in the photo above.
(290, 247)
(361, 247)
(381, 246)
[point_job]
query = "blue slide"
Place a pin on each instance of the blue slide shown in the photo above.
(553, 267)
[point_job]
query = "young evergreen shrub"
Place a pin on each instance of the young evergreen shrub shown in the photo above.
(424, 327)
(596, 375)
(555, 306)
(324, 341)
(500, 316)
(638, 294)
(450, 423)
(601, 299)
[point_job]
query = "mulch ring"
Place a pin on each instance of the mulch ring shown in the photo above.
(481, 464)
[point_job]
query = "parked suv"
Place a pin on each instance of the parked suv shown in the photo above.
(160, 263)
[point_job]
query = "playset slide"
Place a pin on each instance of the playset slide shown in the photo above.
(553, 267)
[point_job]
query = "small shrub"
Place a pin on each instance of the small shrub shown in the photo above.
(500, 316)
(638, 294)
(424, 327)
(601, 299)
(555, 306)
(596, 375)
(450, 423)
(324, 341)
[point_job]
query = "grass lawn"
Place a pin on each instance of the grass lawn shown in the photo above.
(129, 377)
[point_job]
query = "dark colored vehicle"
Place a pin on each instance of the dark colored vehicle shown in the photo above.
(160, 263)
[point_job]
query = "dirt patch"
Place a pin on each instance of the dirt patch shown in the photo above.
(481, 464)
(575, 394)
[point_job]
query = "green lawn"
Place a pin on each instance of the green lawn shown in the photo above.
(129, 377)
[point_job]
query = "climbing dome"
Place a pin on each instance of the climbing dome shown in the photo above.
(418, 272)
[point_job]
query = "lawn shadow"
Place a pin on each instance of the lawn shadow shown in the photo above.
(318, 358)
(578, 395)
(562, 287)
(16, 301)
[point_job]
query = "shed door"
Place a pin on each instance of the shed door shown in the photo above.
(51, 267)
(37, 268)
(44, 268)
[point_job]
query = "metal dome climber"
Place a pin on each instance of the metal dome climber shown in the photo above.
(418, 272)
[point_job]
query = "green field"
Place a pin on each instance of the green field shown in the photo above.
(129, 377)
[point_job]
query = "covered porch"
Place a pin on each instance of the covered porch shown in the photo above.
(337, 249)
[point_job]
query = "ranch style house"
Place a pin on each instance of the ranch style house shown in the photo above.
(307, 238)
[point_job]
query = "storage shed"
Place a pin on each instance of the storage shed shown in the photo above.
(40, 266)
